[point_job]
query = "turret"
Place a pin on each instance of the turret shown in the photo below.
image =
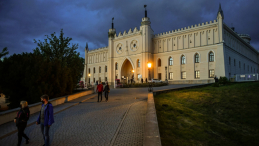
(112, 31)
(220, 18)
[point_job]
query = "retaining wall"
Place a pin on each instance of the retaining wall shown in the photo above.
(9, 115)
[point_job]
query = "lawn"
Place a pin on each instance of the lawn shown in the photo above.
(226, 115)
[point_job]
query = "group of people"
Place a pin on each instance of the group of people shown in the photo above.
(100, 90)
(45, 119)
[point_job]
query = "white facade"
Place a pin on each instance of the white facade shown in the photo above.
(209, 49)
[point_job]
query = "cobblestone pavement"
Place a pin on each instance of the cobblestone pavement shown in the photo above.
(120, 121)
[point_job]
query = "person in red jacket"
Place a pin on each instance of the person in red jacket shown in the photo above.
(99, 89)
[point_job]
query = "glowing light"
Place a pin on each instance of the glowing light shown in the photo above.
(132, 70)
(149, 65)
(89, 75)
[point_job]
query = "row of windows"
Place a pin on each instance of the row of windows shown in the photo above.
(183, 74)
(100, 70)
(240, 65)
(183, 59)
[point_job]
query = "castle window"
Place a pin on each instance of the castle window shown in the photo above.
(197, 74)
(105, 68)
(244, 66)
(239, 64)
(234, 62)
(211, 73)
(100, 69)
(183, 75)
(229, 61)
(211, 57)
(159, 62)
(171, 76)
(197, 58)
(89, 70)
(94, 69)
(170, 61)
(138, 63)
(183, 59)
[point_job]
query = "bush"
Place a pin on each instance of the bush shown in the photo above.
(223, 80)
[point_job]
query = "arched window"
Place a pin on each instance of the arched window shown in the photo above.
(183, 60)
(105, 68)
(211, 57)
(94, 69)
(116, 66)
(138, 63)
(170, 61)
(159, 62)
(100, 69)
(197, 58)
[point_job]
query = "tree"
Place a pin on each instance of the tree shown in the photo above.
(53, 68)
(4, 52)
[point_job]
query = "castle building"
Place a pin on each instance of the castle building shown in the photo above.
(190, 55)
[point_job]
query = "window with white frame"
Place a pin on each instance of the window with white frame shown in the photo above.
(183, 61)
(170, 61)
(211, 57)
(171, 76)
(211, 73)
(197, 74)
(183, 75)
(197, 58)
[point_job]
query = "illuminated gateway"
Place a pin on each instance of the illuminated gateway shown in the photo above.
(193, 54)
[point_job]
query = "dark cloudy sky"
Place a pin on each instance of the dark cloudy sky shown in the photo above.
(21, 21)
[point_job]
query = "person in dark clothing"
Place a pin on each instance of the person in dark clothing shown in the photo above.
(99, 89)
(45, 118)
(106, 91)
(146, 80)
(141, 80)
(216, 79)
(21, 121)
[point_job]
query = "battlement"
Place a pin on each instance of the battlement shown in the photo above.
(98, 49)
(130, 32)
(186, 29)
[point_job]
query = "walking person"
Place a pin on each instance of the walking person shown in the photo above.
(45, 118)
(142, 80)
(21, 119)
(99, 89)
(106, 91)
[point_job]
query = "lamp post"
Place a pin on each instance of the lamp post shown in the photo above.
(149, 67)
(166, 73)
(89, 78)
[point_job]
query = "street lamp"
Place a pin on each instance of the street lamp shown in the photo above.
(89, 75)
(166, 73)
(149, 67)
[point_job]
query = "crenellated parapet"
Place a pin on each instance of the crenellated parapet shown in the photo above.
(189, 28)
(99, 49)
(130, 33)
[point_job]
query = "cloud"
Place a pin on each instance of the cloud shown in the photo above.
(89, 21)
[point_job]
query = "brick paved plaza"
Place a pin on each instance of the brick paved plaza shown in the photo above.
(120, 121)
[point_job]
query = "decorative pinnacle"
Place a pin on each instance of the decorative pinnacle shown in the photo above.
(145, 10)
(220, 11)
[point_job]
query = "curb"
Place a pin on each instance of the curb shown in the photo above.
(28, 125)
(151, 133)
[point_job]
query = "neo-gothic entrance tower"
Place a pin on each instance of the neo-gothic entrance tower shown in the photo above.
(136, 46)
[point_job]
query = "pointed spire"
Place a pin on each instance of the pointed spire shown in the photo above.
(86, 47)
(112, 22)
(145, 10)
(220, 11)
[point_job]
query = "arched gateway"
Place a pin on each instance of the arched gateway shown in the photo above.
(127, 68)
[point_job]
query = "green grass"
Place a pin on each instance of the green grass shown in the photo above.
(226, 115)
